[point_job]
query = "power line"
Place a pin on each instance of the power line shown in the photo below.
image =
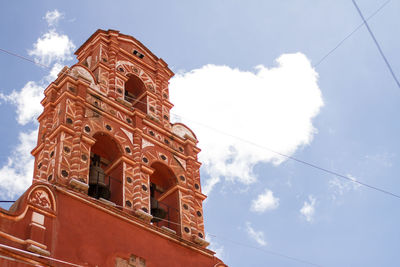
(24, 58)
(178, 224)
(377, 44)
(350, 34)
(267, 251)
(298, 160)
(268, 149)
(244, 245)
(281, 154)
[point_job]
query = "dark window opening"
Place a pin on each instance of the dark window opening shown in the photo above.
(135, 93)
(140, 55)
(105, 178)
(164, 199)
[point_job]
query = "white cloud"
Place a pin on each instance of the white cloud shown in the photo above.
(216, 247)
(27, 102)
(52, 17)
(265, 201)
(308, 209)
(16, 175)
(341, 186)
(52, 46)
(272, 107)
(55, 70)
(210, 183)
(257, 236)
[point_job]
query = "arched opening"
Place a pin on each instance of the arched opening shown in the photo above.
(164, 197)
(135, 93)
(105, 178)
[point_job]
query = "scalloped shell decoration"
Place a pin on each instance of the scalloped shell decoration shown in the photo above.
(79, 72)
(182, 131)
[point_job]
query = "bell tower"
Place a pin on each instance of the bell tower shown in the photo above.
(105, 134)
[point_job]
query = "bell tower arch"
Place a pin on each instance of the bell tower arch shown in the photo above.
(105, 177)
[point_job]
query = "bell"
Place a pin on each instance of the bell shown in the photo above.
(97, 175)
(157, 212)
(97, 184)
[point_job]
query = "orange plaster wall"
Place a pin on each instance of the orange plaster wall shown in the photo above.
(85, 234)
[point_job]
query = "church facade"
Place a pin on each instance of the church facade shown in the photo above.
(115, 183)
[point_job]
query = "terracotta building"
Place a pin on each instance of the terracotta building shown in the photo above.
(115, 183)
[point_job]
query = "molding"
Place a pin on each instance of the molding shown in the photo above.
(172, 190)
(21, 241)
(61, 128)
(38, 250)
(200, 195)
(198, 240)
(169, 230)
(143, 215)
(124, 159)
(107, 202)
(167, 103)
(88, 139)
(37, 149)
(146, 169)
(78, 185)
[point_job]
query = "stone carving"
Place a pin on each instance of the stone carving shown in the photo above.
(133, 261)
(129, 134)
(40, 198)
(146, 143)
(182, 162)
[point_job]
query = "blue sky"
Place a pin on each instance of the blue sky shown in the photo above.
(340, 115)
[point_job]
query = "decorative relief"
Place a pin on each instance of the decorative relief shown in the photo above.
(182, 162)
(182, 131)
(40, 198)
(80, 72)
(103, 54)
(133, 261)
(146, 143)
(105, 107)
(162, 138)
(129, 134)
(129, 67)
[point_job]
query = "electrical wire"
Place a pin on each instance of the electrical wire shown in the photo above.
(24, 58)
(312, 165)
(281, 154)
(268, 149)
(242, 244)
(377, 44)
(350, 34)
(298, 160)
(178, 224)
(266, 251)
(315, 65)
(218, 237)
